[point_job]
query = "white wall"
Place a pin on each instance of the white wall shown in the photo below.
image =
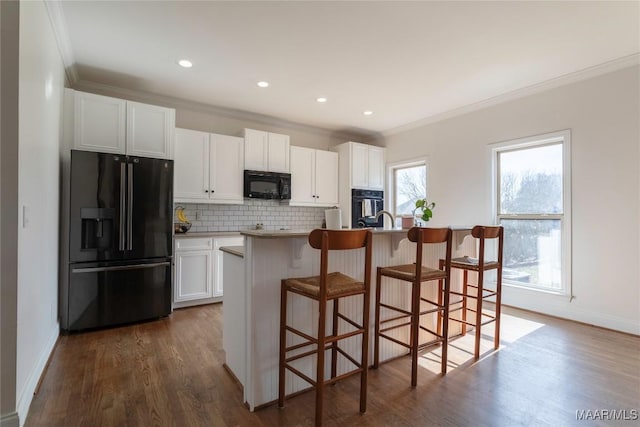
(40, 112)
(603, 115)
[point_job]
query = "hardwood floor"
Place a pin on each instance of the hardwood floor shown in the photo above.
(169, 373)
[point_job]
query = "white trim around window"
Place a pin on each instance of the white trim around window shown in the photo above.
(390, 197)
(560, 137)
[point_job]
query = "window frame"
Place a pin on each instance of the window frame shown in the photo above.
(391, 180)
(562, 137)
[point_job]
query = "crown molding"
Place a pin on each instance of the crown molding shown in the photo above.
(173, 102)
(587, 73)
(59, 24)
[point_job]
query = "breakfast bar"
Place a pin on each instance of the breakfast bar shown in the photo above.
(252, 300)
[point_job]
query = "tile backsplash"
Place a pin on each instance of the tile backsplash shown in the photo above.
(273, 214)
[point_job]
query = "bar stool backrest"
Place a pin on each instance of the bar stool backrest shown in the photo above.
(430, 235)
(483, 232)
(329, 240)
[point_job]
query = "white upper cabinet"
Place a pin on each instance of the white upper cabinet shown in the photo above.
(208, 168)
(113, 125)
(150, 130)
(191, 166)
(302, 175)
(375, 160)
(266, 151)
(365, 164)
(359, 166)
(326, 177)
(314, 177)
(226, 163)
(99, 123)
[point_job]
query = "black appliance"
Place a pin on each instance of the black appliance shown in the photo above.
(365, 204)
(120, 240)
(267, 185)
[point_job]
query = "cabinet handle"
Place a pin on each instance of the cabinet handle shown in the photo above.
(206, 191)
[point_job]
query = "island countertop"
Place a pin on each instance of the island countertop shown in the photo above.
(304, 233)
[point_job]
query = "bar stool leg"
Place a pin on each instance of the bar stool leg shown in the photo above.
(320, 360)
(496, 339)
(445, 326)
(415, 322)
(376, 338)
(465, 289)
(440, 314)
(334, 345)
(365, 352)
(479, 300)
(283, 342)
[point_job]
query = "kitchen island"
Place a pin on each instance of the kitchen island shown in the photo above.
(252, 301)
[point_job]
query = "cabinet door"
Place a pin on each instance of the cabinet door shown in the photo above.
(218, 242)
(326, 177)
(226, 168)
(359, 166)
(191, 166)
(150, 130)
(278, 153)
(193, 275)
(99, 123)
(302, 174)
(376, 168)
(255, 150)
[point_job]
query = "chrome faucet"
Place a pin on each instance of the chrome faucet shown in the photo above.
(389, 214)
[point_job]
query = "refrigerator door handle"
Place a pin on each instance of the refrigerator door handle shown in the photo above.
(123, 212)
(119, 267)
(130, 208)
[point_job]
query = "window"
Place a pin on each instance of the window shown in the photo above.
(533, 205)
(408, 184)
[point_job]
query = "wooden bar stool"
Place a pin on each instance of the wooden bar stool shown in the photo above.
(324, 288)
(479, 292)
(416, 274)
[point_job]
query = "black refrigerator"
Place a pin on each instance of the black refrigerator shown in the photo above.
(120, 240)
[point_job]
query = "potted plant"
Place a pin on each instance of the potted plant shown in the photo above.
(427, 210)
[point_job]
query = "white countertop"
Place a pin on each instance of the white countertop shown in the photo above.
(304, 233)
(194, 234)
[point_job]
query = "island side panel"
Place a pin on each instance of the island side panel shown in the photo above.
(233, 309)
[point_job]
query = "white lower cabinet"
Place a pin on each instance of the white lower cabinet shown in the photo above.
(198, 269)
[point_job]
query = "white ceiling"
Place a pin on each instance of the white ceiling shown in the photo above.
(405, 61)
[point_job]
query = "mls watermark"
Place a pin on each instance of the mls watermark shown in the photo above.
(607, 414)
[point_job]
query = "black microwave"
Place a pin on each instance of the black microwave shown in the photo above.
(267, 185)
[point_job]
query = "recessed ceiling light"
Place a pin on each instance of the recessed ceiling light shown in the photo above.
(263, 84)
(367, 113)
(185, 63)
(321, 99)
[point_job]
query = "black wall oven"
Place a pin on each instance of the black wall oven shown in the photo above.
(267, 185)
(365, 204)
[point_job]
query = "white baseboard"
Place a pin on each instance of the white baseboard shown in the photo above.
(27, 394)
(560, 306)
(10, 420)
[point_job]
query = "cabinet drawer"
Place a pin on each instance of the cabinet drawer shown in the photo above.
(193, 243)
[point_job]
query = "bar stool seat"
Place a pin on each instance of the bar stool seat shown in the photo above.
(338, 285)
(469, 263)
(407, 272)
